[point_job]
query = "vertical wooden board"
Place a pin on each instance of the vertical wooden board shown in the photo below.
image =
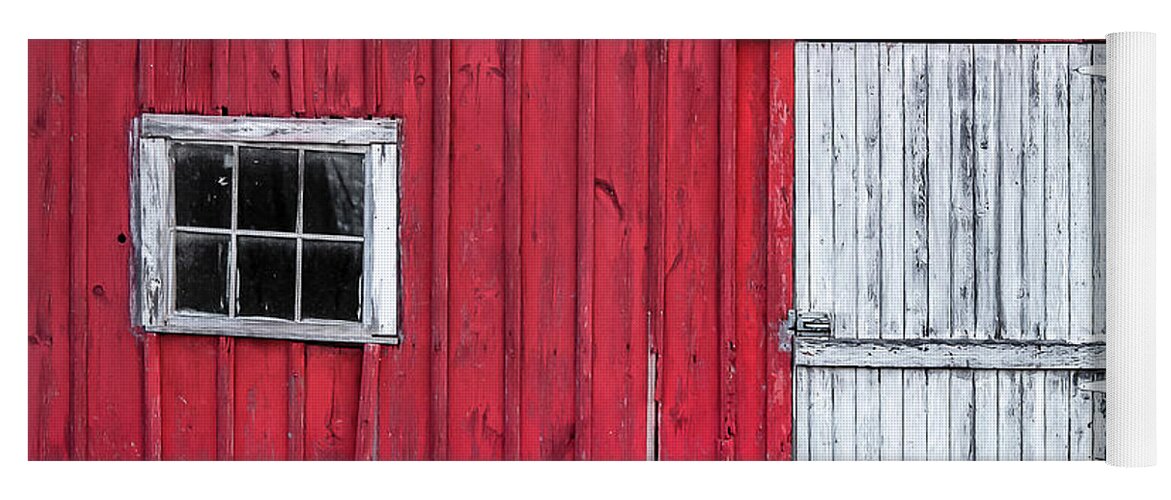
(188, 394)
(916, 259)
(225, 382)
(801, 204)
(890, 385)
(937, 400)
(961, 422)
(915, 219)
(1057, 422)
(939, 188)
(781, 168)
(262, 399)
(1033, 193)
(296, 408)
(1099, 425)
(441, 246)
(114, 416)
(1055, 95)
(845, 175)
(587, 76)
(1008, 419)
(620, 228)
(726, 273)
(258, 78)
(513, 260)
(332, 379)
(1081, 198)
(986, 212)
(548, 188)
(1081, 417)
(183, 76)
(1033, 415)
(892, 251)
(868, 192)
(366, 427)
(476, 311)
(690, 360)
(801, 413)
(79, 412)
(1098, 132)
(407, 86)
(335, 78)
(914, 415)
(657, 236)
(985, 413)
(1010, 104)
(48, 249)
(962, 246)
(751, 284)
(820, 178)
(821, 413)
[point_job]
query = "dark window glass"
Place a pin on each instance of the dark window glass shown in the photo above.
(334, 193)
(267, 276)
(331, 283)
(201, 267)
(203, 185)
(268, 189)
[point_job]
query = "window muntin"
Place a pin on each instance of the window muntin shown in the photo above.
(268, 227)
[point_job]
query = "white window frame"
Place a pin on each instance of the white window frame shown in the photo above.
(153, 223)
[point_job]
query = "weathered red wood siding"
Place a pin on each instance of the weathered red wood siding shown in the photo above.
(575, 215)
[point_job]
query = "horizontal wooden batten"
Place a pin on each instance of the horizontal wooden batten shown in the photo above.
(274, 130)
(950, 353)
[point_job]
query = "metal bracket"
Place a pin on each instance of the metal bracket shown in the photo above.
(1098, 70)
(809, 323)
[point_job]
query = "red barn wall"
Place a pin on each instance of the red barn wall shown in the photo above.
(572, 211)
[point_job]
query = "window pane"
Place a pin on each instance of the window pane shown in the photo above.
(268, 189)
(201, 266)
(203, 185)
(334, 193)
(331, 283)
(267, 276)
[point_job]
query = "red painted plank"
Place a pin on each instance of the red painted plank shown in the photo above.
(441, 214)
(513, 264)
(152, 393)
(727, 273)
(690, 419)
(332, 378)
(226, 399)
(296, 53)
(335, 80)
(548, 244)
(182, 76)
(296, 407)
(258, 72)
(584, 337)
(188, 397)
(657, 228)
(78, 257)
(751, 282)
(476, 389)
(780, 247)
(114, 360)
(619, 202)
(220, 68)
(49, 95)
(404, 378)
(366, 446)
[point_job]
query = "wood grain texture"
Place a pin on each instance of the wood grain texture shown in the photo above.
(953, 353)
(690, 349)
(586, 250)
(726, 276)
(781, 167)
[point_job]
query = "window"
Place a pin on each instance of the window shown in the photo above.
(260, 227)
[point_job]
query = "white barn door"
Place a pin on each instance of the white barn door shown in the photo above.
(949, 223)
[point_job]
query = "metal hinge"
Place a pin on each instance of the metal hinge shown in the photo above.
(1098, 70)
(809, 323)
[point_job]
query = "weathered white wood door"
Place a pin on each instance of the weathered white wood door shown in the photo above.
(949, 220)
